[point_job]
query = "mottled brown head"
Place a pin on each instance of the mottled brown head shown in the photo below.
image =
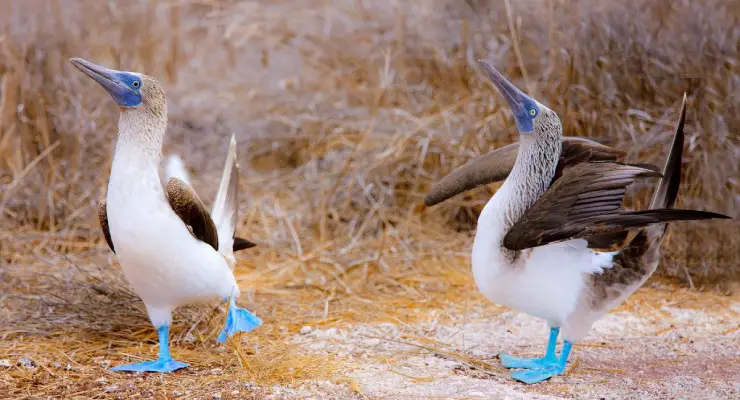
(153, 98)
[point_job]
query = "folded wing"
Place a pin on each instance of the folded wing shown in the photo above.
(186, 204)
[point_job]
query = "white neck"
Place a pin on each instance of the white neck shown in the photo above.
(140, 130)
(529, 179)
(139, 147)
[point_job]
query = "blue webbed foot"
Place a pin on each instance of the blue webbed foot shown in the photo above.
(509, 361)
(548, 360)
(161, 365)
(538, 375)
(165, 363)
(238, 320)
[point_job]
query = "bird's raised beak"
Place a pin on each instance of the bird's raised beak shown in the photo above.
(518, 101)
(107, 78)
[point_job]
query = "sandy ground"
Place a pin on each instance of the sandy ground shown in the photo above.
(656, 347)
(683, 353)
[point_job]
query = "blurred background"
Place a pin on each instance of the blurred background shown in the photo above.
(346, 112)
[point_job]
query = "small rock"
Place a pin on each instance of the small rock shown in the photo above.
(110, 389)
(317, 345)
(235, 392)
(5, 363)
(56, 364)
(217, 395)
(176, 393)
(25, 362)
(189, 338)
(306, 330)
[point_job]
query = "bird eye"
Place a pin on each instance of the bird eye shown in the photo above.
(532, 112)
(135, 84)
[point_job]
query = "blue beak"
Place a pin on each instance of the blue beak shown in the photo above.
(521, 104)
(111, 80)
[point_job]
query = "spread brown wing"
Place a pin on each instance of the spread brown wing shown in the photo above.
(496, 166)
(186, 204)
(103, 218)
(586, 203)
(577, 150)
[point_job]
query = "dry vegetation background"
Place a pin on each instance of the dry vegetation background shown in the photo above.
(345, 113)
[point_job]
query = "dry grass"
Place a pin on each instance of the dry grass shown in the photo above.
(345, 112)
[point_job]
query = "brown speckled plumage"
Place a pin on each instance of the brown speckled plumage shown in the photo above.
(154, 101)
(536, 160)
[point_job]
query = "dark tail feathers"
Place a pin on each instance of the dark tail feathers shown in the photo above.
(661, 207)
(672, 214)
(241, 244)
(667, 190)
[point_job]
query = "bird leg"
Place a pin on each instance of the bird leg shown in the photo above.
(549, 359)
(238, 320)
(538, 375)
(165, 363)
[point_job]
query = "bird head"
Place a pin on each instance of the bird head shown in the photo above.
(130, 90)
(530, 115)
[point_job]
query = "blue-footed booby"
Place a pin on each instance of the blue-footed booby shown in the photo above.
(172, 250)
(554, 241)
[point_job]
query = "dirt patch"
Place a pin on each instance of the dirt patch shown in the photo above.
(696, 353)
(657, 345)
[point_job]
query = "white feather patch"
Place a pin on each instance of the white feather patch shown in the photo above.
(175, 168)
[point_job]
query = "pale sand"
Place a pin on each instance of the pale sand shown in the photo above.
(684, 353)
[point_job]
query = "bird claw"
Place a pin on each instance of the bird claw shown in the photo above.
(510, 361)
(532, 376)
(238, 320)
(161, 365)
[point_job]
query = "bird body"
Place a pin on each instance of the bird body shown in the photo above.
(172, 250)
(553, 241)
(534, 283)
(164, 264)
